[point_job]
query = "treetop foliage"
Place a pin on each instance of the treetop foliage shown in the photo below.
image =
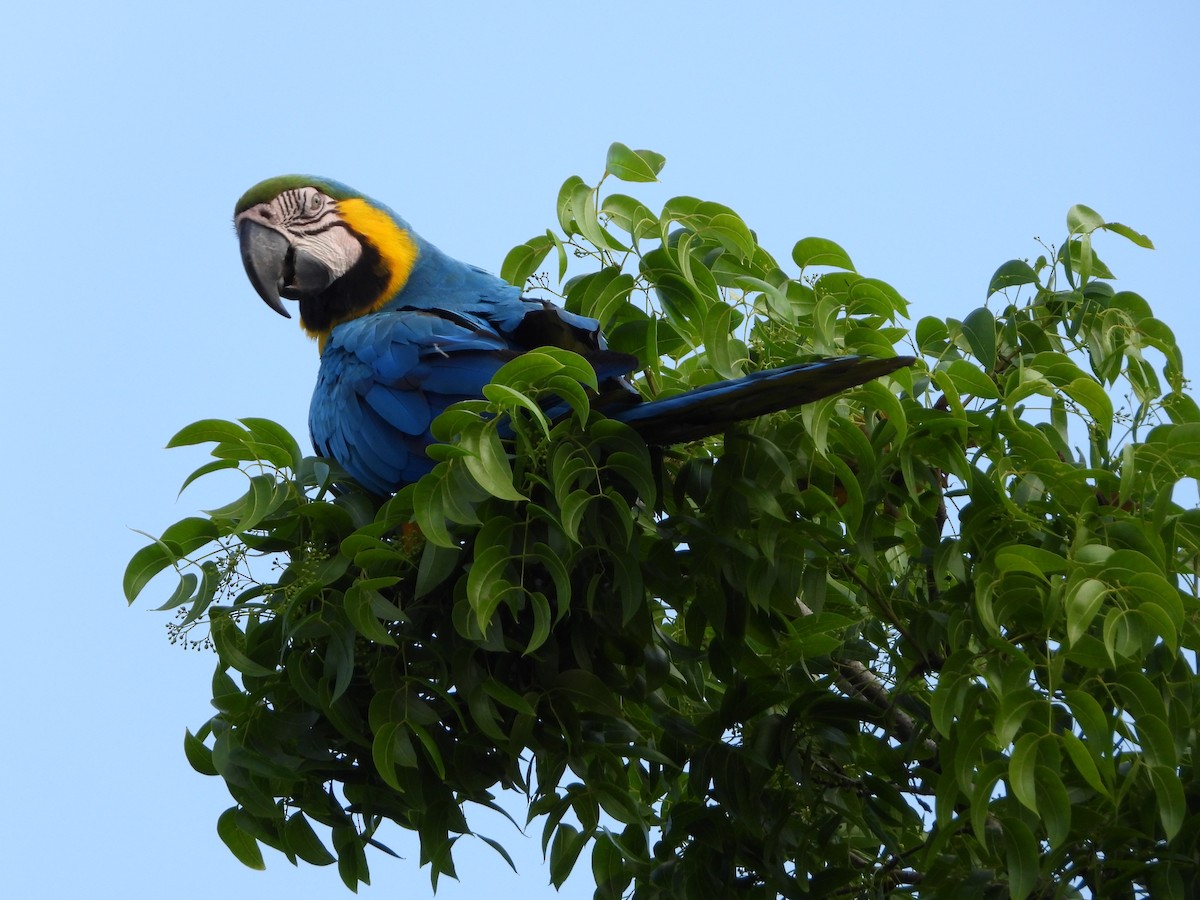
(934, 635)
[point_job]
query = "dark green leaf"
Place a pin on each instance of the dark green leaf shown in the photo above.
(240, 844)
(303, 841)
(198, 755)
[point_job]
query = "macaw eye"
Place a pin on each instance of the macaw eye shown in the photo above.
(315, 203)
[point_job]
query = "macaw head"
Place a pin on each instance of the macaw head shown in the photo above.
(310, 239)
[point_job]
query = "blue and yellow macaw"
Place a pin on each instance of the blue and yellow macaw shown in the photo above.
(404, 331)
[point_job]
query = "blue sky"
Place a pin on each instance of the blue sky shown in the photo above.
(933, 141)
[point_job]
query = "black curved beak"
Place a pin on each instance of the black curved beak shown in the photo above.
(265, 255)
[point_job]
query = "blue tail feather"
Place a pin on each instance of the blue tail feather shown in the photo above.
(712, 408)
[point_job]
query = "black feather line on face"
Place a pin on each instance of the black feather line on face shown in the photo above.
(351, 295)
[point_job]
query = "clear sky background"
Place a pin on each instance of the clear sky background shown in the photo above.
(933, 141)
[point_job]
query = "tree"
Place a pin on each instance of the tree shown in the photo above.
(936, 634)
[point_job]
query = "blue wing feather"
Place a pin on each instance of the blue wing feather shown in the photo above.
(384, 378)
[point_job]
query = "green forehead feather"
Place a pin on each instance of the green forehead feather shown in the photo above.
(266, 191)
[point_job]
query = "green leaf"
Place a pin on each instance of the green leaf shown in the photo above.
(932, 335)
(486, 584)
(564, 851)
(631, 215)
(523, 260)
(971, 381)
(717, 326)
(1122, 635)
(1126, 232)
(506, 696)
(358, 601)
(1083, 762)
(1172, 804)
(732, 233)
(608, 870)
(1090, 395)
(208, 430)
(979, 328)
(215, 466)
(303, 841)
(230, 644)
(1021, 856)
(198, 755)
(143, 566)
(269, 436)
(583, 207)
(607, 292)
(391, 748)
(814, 251)
(1020, 558)
(242, 845)
(1083, 601)
(1157, 742)
(1054, 805)
(633, 165)
(1013, 273)
(1021, 771)
(488, 463)
(566, 212)
(1083, 220)
(178, 541)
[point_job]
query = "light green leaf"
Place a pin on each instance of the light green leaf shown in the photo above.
(815, 251)
(488, 463)
(631, 215)
(523, 260)
(717, 325)
(732, 233)
(1125, 231)
(1083, 220)
(566, 212)
(633, 165)
(269, 435)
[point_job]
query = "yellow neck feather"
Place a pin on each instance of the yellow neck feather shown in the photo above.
(397, 250)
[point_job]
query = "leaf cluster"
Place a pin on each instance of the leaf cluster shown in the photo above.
(933, 635)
